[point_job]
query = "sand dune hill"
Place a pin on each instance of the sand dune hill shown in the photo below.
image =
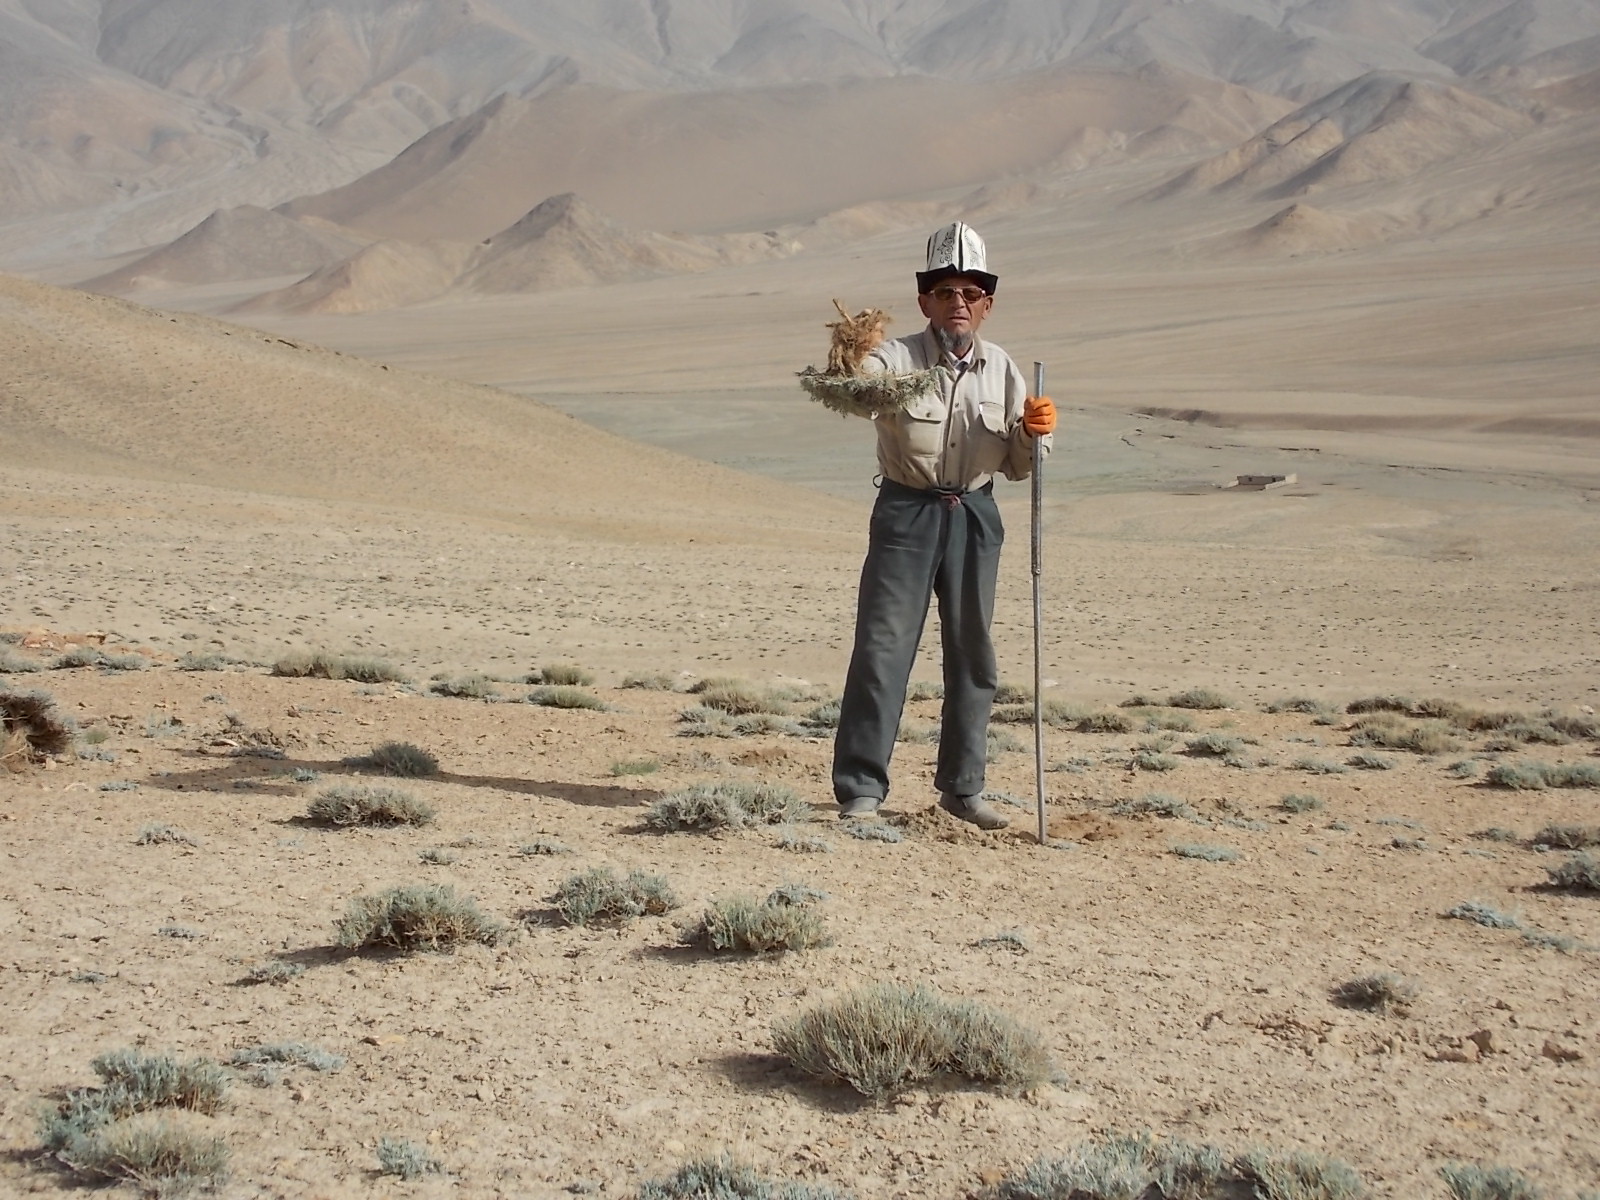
(561, 243)
(236, 243)
(386, 274)
(564, 242)
(1381, 127)
(98, 385)
(1302, 229)
(758, 159)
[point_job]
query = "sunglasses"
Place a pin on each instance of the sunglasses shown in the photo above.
(944, 295)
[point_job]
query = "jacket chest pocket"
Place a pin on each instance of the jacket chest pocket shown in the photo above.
(923, 425)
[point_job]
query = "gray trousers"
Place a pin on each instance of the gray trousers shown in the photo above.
(921, 544)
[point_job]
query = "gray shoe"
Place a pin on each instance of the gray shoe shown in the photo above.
(974, 810)
(859, 806)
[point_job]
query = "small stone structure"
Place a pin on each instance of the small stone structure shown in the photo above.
(1261, 483)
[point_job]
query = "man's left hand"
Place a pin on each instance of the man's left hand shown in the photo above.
(1039, 415)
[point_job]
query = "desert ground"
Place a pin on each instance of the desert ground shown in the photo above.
(485, 363)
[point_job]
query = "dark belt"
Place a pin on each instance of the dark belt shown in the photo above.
(950, 497)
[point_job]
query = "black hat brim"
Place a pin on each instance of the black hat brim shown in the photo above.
(928, 280)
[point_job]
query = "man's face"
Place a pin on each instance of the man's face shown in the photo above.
(956, 307)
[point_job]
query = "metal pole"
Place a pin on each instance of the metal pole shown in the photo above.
(1038, 612)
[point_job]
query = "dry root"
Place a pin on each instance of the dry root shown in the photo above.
(854, 338)
(844, 388)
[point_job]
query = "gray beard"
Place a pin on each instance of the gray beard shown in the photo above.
(955, 346)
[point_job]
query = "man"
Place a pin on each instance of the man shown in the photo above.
(936, 532)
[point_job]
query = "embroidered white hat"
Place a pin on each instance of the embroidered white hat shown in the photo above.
(956, 249)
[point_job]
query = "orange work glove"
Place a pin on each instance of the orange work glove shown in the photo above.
(1039, 415)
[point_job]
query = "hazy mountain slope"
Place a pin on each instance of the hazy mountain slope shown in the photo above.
(1379, 127)
(149, 114)
(708, 162)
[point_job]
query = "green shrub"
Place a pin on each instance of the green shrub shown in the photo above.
(1580, 873)
(400, 759)
(1118, 1166)
(1384, 992)
(738, 698)
(1149, 760)
(1534, 775)
(160, 1155)
(924, 690)
(416, 916)
(1299, 1176)
(598, 895)
(1206, 853)
(823, 716)
(397, 1156)
(1567, 837)
(273, 972)
(884, 1038)
(562, 675)
(1155, 804)
(650, 681)
(722, 1178)
(634, 766)
(297, 1054)
(198, 661)
(471, 686)
(1386, 732)
(78, 656)
(1369, 761)
(438, 856)
(16, 664)
(1372, 704)
(1215, 744)
(742, 924)
(1496, 833)
(874, 831)
(1466, 768)
(541, 846)
(320, 664)
(1199, 698)
(1468, 1182)
(1107, 720)
(1001, 741)
(157, 834)
(1300, 802)
(564, 696)
(790, 838)
(726, 805)
(1301, 704)
(356, 805)
(1317, 766)
(1483, 914)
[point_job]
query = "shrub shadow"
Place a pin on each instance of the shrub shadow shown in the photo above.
(269, 775)
(753, 1071)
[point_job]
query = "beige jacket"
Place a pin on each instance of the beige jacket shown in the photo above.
(961, 435)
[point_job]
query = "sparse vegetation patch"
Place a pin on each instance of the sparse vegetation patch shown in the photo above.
(722, 1178)
(416, 916)
(319, 664)
(400, 759)
(726, 805)
(1580, 873)
(884, 1038)
(1383, 992)
(1469, 1182)
(742, 924)
(356, 805)
(599, 895)
(567, 696)
(406, 1159)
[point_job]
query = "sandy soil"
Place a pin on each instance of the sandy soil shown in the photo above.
(1184, 996)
